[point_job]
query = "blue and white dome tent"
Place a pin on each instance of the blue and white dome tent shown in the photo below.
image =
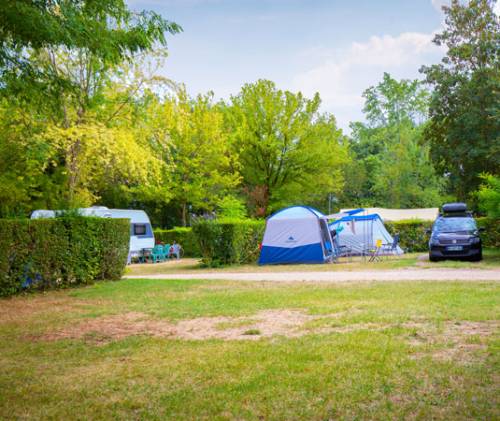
(298, 234)
(359, 232)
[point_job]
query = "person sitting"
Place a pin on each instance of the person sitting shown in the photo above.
(175, 250)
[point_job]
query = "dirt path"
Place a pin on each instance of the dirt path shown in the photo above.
(443, 274)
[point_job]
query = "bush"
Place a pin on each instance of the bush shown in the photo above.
(53, 253)
(413, 236)
(227, 242)
(491, 235)
(181, 235)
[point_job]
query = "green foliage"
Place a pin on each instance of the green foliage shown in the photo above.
(464, 127)
(390, 165)
(203, 171)
(54, 253)
(284, 146)
(181, 235)
(412, 234)
(393, 102)
(229, 242)
(491, 235)
(232, 207)
(106, 32)
(489, 196)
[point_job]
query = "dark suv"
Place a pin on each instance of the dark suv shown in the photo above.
(455, 235)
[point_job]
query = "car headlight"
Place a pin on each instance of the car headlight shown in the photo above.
(434, 241)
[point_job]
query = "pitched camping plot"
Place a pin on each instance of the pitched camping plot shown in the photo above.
(360, 232)
(298, 234)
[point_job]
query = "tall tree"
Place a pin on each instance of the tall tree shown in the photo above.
(464, 127)
(107, 30)
(288, 151)
(391, 165)
(58, 60)
(204, 169)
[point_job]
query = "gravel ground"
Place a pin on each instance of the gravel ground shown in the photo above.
(443, 274)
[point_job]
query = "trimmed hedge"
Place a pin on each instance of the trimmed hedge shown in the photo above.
(229, 242)
(491, 235)
(55, 253)
(181, 235)
(413, 236)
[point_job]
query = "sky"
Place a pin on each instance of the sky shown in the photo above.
(335, 47)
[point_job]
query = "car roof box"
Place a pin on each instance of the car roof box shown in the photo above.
(454, 208)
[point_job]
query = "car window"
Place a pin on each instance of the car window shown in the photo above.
(455, 224)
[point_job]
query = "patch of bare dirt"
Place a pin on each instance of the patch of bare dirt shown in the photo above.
(289, 323)
(459, 338)
(462, 339)
(22, 308)
(119, 326)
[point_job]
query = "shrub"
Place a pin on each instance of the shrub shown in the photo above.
(224, 242)
(491, 235)
(412, 233)
(182, 235)
(489, 195)
(413, 236)
(53, 253)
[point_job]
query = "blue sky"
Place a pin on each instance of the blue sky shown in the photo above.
(337, 48)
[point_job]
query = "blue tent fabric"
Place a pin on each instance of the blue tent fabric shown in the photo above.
(297, 234)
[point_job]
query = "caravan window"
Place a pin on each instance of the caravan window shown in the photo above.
(139, 229)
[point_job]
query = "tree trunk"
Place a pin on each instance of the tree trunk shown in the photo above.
(184, 214)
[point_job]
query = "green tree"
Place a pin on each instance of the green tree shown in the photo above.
(57, 72)
(390, 164)
(464, 126)
(107, 30)
(232, 208)
(289, 152)
(489, 195)
(392, 102)
(204, 169)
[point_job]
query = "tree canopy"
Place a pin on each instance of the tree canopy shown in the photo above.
(390, 164)
(86, 118)
(288, 151)
(464, 125)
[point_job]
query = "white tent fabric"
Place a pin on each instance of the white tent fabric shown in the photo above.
(360, 233)
(425, 214)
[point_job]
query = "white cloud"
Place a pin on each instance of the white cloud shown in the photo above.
(341, 76)
(438, 4)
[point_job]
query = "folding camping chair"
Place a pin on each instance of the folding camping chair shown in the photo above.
(375, 253)
(389, 249)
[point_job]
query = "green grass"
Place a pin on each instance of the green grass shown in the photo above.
(359, 374)
(410, 260)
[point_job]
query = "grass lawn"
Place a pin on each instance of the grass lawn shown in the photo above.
(410, 260)
(352, 351)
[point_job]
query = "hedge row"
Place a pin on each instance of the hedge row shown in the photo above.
(55, 253)
(236, 242)
(412, 234)
(491, 235)
(229, 242)
(414, 237)
(183, 236)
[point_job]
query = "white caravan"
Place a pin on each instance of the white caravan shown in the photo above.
(141, 232)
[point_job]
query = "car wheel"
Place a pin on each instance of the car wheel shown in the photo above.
(478, 257)
(434, 258)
